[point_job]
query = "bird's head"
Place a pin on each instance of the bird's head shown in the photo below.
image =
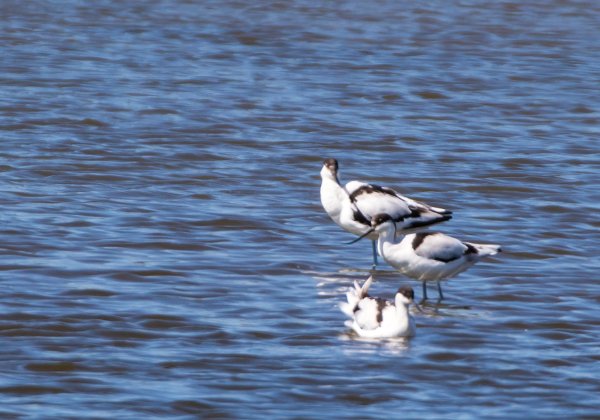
(330, 169)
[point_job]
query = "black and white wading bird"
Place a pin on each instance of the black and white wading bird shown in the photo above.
(378, 318)
(426, 256)
(352, 207)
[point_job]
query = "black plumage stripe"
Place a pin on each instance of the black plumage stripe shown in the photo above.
(420, 237)
(422, 223)
(360, 218)
(369, 189)
(471, 249)
(381, 303)
(447, 260)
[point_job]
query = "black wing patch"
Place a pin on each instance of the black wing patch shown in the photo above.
(369, 189)
(471, 249)
(360, 218)
(420, 237)
(447, 260)
(381, 304)
(417, 223)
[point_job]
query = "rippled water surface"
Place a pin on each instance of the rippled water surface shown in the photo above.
(164, 252)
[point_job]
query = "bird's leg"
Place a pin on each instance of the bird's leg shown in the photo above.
(441, 295)
(424, 290)
(374, 243)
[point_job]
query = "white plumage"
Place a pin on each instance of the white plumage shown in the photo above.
(427, 256)
(352, 207)
(376, 317)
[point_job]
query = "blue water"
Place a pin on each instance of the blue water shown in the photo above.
(164, 251)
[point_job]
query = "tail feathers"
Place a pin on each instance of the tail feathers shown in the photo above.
(353, 296)
(423, 206)
(365, 287)
(352, 300)
(485, 250)
(440, 210)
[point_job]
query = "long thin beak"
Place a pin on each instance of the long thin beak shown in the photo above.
(416, 305)
(367, 233)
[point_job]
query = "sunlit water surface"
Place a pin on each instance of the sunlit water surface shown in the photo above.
(163, 248)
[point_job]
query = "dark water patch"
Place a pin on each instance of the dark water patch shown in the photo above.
(557, 336)
(54, 367)
(65, 122)
(96, 177)
(430, 95)
(557, 363)
(306, 339)
(357, 398)
(76, 317)
(9, 414)
(40, 330)
(76, 224)
(228, 223)
(582, 109)
(505, 189)
(197, 82)
(524, 255)
(202, 196)
(131, 277)
(90, 293)
(162, 317)
(155, 245)
(198, 407)
(127, 334)
(215, 129)
(158, 111)
(562, 251)
(60, 273)
(17, 267)
(164, 324)
(23, 317)
(445, 357)
(261, 335)
(24, 390)
(125, 343)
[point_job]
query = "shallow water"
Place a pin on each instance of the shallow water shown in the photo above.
(164, 251)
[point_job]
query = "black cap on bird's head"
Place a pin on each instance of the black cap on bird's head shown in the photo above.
(407, 292)
(376, 221)
(331, 164)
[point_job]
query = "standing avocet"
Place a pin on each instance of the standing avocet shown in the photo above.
(352, 207)
(376, 317)
(427, 256)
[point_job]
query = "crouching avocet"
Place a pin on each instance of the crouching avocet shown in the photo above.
(376, 317)
(427, 256)
(352, 207)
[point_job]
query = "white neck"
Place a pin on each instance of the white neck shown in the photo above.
(401, 306)
(402, 313)
(332, 194)
(386, 238)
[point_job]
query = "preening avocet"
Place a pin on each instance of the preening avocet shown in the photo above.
(427, 256)
(376, 317)
(352, 207)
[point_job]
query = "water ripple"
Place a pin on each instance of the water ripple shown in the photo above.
(164, 249)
